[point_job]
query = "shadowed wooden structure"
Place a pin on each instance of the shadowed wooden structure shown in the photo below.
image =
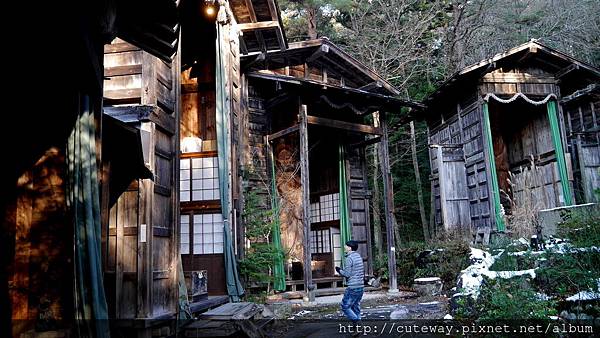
(306, 110)
(516, 130)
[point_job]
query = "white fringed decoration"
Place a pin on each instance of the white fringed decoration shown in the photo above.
(516, 96)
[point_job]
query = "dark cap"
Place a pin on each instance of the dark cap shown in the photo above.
(352, 244)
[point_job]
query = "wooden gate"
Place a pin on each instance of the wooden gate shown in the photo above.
(453, 187)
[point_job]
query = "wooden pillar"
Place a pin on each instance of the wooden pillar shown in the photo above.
(388, 197)
(304, 179)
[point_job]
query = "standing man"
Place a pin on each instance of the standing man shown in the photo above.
(354, 271)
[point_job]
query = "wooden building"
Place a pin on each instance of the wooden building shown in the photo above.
(69, 161)
(517, 130)
(140, 240)
(210, 189)
(306, 111)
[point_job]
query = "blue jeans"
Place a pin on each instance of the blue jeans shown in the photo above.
(351, 303)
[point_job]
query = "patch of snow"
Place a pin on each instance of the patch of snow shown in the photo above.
(554, 317)
(542, 296)
(509, 274)
(448, 316)
(300, 314)
(430, 303)
(471, 278)
(567, 207)
(584, 295)
(523, 241)
(427, 279)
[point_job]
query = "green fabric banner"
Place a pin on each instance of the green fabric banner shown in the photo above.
(278, 268)
(495, 198)
(83, 202)
(345, 230)
(560, 154)
(234, 287)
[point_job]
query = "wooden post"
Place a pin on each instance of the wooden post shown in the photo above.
(388, 194)
(443, 179)
(376, 201)
(304, 178)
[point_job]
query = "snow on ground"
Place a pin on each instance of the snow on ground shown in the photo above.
(471, 278)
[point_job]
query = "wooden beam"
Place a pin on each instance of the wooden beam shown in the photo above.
(515, 77)
(563, 72)
(532, 50)
(372, 85)
(273, 10)
(305, 184)
(366, 142)
(280, 38)
(355, 127)
(123, 70)
(259, 37)
(258, 25)
(324, 49)
(283, 132)
(388, 197)
(258, 59)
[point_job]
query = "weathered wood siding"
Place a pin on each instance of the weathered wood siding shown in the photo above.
(462, 128)
(142, 247)
(582, 125)
(359, 205)
(254, 158)
(39, 273)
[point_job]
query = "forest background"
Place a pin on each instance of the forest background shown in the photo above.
(416, 45)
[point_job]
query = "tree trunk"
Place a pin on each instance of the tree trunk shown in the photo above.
(413, 144)
(377, 234)
(311, 19)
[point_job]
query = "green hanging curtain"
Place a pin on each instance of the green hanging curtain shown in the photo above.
(83, 202)
(500, 226)
(234, 287)
(345, 231)
(560, 154)
(278, 269)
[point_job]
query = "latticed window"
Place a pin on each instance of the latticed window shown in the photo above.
(204, 235)
(208, 234)
(199, 179)
(326, 209)
(320, 241)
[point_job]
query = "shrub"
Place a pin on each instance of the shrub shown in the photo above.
(259, 257)
(582, 227)
(566, 274)
(511, 299)
(508, 262)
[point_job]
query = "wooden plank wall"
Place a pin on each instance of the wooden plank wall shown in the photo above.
(463, 127)
(359, 204)
(142, 248)
(40, 277)
(254, 157)
(538, 187)
(582, 125)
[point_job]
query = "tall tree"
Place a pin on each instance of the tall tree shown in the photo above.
(310, 19)
(413, 147)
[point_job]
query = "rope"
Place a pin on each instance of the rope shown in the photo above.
(516, 96)
(347, 105)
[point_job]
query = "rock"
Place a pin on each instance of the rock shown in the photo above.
(281, 309)
(401, 312)
(375, 282)
(429, 286)
(448, 316)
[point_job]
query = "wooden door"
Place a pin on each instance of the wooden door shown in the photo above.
(453, 187)
(588, 153)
